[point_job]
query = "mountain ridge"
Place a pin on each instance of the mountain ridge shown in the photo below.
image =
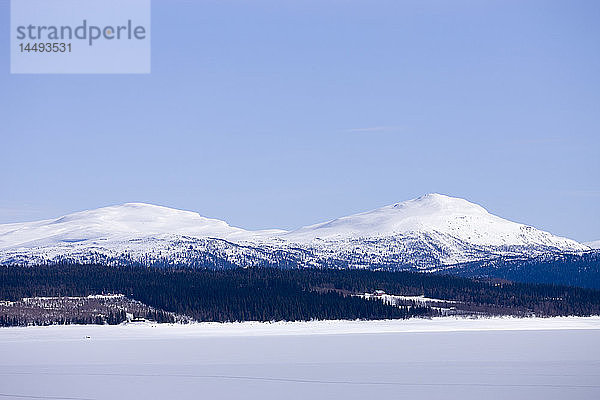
(425, 232)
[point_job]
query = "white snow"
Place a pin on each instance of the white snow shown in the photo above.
(449, 358)
(130, 220)
(392, 299)
(91, 296)
(593, 245)
(433, 214)
(433, 227)
(284, 328)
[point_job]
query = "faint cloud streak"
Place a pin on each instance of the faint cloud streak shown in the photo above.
(375, 129)
(583, 193)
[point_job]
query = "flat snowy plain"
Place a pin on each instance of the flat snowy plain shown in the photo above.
(443, 358)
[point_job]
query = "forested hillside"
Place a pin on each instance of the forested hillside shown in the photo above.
(266, 294)
(561, 269)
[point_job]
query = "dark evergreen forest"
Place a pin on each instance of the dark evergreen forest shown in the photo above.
(267, 294)
(562, 269)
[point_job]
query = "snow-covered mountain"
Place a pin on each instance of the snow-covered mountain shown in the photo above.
(433, 214)
(429, 232)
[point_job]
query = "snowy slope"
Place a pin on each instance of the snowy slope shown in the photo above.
(594, 245)
(434, 213)
(430, 231)
(114, 223)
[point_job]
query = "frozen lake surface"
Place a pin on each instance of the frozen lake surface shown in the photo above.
(443, 358)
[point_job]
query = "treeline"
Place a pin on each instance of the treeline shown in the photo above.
(561, 269)
(265, 294)
(67, 310)
(259, 294)
(16, 316)
(27, 318)
(492, 296)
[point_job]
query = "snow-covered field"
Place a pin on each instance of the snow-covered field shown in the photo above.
(444, 358)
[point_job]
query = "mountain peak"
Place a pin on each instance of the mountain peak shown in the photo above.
(438, 198)
(432, 215)
(129, 213)
(114, 223)
(140, 205)
(435, 196)
(439, 203)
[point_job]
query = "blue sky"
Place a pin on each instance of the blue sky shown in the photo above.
(280, 114)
